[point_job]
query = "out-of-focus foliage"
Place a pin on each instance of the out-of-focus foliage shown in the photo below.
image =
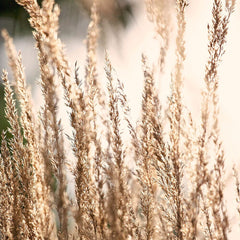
(114, 11)
(14, 18)
(3, 121)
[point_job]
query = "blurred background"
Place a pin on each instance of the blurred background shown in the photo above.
(116, 12)
(116, 17)
(126, 33)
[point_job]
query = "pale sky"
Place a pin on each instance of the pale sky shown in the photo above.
(141, 39)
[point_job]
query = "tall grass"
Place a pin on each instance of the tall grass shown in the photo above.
(165, 183)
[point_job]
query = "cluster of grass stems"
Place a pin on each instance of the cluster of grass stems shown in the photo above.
(165, 183)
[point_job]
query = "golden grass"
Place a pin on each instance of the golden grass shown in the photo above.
(146, 199)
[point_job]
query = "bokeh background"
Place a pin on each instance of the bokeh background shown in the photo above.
(116, 17)
(127, 33)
